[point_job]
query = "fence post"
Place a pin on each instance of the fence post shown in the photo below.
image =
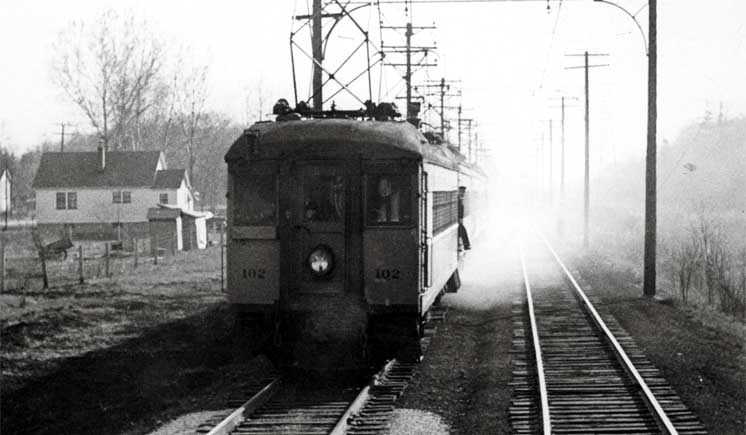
(42, 254)
(222, 283)
(3, 286)
(81, 279)
(106, 253)
(137, 248)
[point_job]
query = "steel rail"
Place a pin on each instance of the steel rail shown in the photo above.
(545, 418)
(236, 417)
(343, 424)
(656, 409)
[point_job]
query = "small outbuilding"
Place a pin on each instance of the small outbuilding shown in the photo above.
(173, 229)
(194, 229)
(165, 226)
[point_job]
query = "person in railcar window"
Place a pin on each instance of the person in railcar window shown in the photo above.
(323, 198)
(388, 211)
(388, 197)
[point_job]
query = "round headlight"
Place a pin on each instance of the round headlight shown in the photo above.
(321, 260)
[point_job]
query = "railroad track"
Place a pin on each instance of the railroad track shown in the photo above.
(283, 405)
(574, 373)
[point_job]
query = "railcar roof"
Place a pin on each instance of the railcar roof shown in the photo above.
(401, 135)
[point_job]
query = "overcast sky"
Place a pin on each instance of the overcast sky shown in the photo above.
(509, 57)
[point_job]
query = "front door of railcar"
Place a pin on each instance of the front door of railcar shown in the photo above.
(318, 225)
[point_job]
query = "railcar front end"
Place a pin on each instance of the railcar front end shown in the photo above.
(331, 244)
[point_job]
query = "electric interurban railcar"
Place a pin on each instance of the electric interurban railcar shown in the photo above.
(343, 233)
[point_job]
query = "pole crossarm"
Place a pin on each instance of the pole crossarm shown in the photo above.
(589, 66)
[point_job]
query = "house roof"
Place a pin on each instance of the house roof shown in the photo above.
(81, 169)
(159, 213)
(169, 178)
(166, 211)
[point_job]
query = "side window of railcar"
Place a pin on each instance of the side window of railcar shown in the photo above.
(254, 202)
(389, 200)
(323, 198)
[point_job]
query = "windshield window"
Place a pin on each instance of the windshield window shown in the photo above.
(389, 199)
(323, 198)
(254, 200)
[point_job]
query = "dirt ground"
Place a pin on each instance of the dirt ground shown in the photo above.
(151, 351)
(123, 355)
(465, 375)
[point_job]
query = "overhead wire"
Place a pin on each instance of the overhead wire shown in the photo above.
(551, 45)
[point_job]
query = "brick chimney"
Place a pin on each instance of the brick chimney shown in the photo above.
(101, 158)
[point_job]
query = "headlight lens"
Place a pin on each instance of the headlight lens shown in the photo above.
(321, 260)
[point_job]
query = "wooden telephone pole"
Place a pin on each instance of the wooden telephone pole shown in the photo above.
(650, 160)
(587, 170)
(651, 50)
(318, 55)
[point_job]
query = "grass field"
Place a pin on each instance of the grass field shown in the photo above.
(116, 355)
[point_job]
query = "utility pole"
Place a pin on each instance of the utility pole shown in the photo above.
(551, 163)
(459, 127)
(62, 134)
(586, 175)
(468, 132)
(318, 55)
(443, 89)
(409, 50)
(444, 86)
(650, 158)
(549, 185)
(408, 76)
(651, 50)
(461, 121)
(562, 152)
(562, 106)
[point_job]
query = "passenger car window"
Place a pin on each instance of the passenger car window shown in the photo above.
(323, 198)
(254, 200)
(389, 199)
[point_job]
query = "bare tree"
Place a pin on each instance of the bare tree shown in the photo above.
(109, 70)
(190, 100)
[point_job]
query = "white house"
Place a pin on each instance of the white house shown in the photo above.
(5, 192)
(101, 193)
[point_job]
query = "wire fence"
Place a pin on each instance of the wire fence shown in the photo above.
(24, 267)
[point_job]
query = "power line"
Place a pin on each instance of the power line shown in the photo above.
(551, 44)
(393, 2)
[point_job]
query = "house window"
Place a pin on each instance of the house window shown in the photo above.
(67, 200)
(116, 197)
(126, 197)
(72, 200)
(163, 199)
(60, 200)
